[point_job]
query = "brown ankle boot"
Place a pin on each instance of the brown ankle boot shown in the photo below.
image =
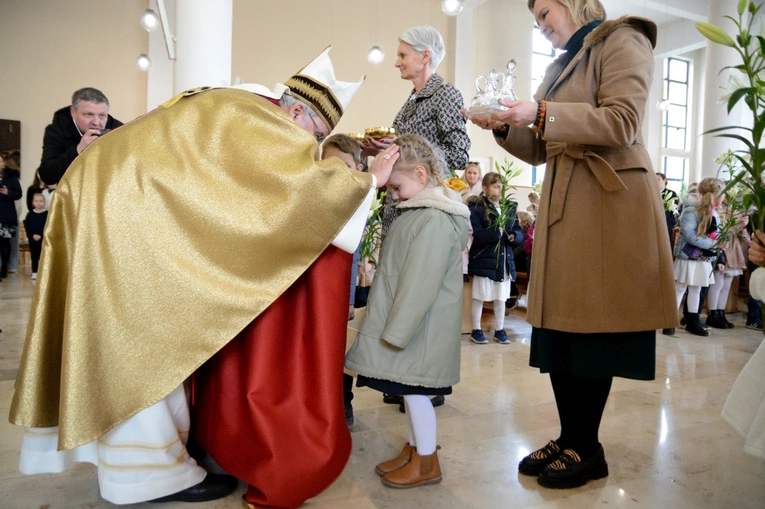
(419, 471)
(399, 461)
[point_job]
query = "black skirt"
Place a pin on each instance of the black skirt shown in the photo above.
(624, 354)
(399, 389)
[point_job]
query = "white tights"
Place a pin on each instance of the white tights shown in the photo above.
(421, 418)
(718, 291)
(499, 314)
(693, 296)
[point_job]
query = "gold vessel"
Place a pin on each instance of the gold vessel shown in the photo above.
(379, 132)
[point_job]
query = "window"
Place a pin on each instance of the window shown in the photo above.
(543, 55)
(675, 132)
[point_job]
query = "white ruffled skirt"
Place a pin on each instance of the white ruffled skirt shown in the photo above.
(694, 272)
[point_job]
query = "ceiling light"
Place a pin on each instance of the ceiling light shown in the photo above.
(149, 20)
(143, 62)
(451, 7)
(375, 55)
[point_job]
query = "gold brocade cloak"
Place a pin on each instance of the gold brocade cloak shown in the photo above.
(166, 238)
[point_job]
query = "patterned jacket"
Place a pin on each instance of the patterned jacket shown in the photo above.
(434, 114)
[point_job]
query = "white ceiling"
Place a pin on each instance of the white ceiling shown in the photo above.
(659, 11)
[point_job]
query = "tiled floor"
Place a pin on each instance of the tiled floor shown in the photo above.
(665, 441)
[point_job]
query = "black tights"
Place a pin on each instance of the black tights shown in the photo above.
(5, 255)
(580, 403)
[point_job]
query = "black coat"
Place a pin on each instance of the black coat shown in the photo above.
(7, 208)
(484, 260)
(60, 145)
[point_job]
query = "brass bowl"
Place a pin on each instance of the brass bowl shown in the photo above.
(379, 132)
(357, 136)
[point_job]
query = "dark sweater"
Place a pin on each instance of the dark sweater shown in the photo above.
(34, 223)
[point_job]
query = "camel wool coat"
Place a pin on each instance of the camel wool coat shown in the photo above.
(602, 261)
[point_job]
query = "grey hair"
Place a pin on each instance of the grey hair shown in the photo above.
(423, 38)
(287, 100)
(91, 95)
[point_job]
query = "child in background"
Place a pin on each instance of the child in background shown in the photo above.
(348, 151)
(698, 235)
(34, 224)
(525, 220)
(409, 343)
(492, 267)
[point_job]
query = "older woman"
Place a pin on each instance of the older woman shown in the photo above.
(433, 108)
(595, 300)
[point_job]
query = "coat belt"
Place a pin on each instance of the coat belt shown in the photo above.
(564, 168)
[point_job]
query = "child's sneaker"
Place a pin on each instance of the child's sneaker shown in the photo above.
(754, 326)
(500, 336)
(34, 276)
(477, 337)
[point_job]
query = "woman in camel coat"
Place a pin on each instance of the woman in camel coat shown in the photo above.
(595, 300)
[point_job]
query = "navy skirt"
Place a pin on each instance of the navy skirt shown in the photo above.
(623, 354)
(399, 389)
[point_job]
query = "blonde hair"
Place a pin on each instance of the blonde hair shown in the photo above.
(581, 11)
(709, 189)
(525, 219)
(464, 174)
(416, 151)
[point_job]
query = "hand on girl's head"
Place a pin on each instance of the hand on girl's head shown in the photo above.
(382, 164)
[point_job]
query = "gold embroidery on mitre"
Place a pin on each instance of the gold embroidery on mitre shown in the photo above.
(320, 96)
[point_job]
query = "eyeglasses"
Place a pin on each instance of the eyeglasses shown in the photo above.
(317, 130)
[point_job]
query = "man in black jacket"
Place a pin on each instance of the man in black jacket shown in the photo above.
(73, 129)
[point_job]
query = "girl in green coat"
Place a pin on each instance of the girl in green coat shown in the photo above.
(409, 343)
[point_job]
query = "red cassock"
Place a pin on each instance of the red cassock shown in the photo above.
(268, 407)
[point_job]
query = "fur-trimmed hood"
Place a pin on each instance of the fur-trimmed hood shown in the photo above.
(642, 25)
(441, 198)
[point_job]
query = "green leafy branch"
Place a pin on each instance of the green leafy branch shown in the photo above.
(746, 165)
(371, 238)
(506, 208)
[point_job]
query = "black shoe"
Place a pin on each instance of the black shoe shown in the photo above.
(435, 401)
(392, 400)
(683, 321)
(725, 320)
(195, 450)
(570, 471)
(714, 320)
(213, 487)
(668, 332)
(534, 463)
(694, 325)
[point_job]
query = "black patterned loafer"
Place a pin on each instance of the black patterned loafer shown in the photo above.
(570, 471)
(534, 463)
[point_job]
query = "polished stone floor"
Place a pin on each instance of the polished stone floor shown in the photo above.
(666, 444)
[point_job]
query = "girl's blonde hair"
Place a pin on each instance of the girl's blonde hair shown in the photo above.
(525, 219)
(709, 189)
(464, 174)
(581, 11)
(417, 151)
